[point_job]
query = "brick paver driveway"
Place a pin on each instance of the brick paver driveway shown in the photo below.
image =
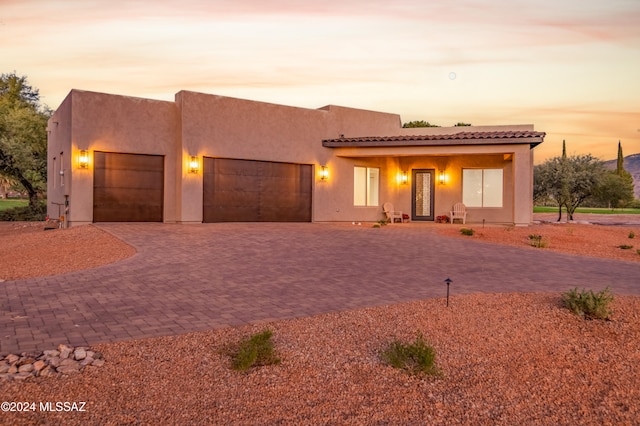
(196, 277)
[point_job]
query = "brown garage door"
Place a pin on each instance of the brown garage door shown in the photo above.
(256, 191)
(128, 187)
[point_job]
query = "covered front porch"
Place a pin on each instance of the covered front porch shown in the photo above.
(424, 176)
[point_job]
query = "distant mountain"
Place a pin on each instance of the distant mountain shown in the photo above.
(632, 165)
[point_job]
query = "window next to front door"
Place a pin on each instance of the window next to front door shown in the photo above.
(366, 186)
(482, 187)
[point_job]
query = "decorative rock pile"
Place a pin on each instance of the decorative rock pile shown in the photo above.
(64, 361)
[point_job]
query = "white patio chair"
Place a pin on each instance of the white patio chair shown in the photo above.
(391, 214)
(459, 211)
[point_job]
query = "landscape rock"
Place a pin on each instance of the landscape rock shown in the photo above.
(22, 375)
(86, 361)
(79, 354)
(48, 371)
(12, 358)
(51, 363)
(68, 369)
(54, 361)
(25, 368)
(65, 351)
(51, 353)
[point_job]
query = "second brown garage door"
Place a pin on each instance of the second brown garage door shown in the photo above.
(128, 187)
(256, 191)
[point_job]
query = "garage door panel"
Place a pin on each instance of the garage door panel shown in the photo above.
(125, 178)
(128, 187)
(256, 191)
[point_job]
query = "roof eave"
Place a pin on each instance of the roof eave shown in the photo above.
(346, 143)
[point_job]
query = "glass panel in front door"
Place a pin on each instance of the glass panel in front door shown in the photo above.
(422, 189)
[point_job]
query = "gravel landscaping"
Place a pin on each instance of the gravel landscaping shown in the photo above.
(504, 359)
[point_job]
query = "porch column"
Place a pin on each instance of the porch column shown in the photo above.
(523, 186)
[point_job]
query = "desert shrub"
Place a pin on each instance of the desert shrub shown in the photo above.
(257, 350)
(467, 231)
(588, 304)
(537, 241)
(417, 357)
(632, 234)
(36, 213)
(625, 247)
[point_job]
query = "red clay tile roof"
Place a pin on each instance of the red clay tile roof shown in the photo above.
(461, 138)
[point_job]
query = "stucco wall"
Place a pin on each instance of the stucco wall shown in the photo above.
(59, 159)
(101, 122)
(206, 125)
(217, 126)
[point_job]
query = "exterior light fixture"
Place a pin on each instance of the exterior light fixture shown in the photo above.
(83, 159)
(194, 164)
(442, 178)
(404, 177)
(324, 173)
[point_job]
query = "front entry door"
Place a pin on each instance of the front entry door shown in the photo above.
(422, 189)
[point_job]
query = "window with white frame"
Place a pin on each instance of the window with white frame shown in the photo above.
(482, 187)
(366, 185)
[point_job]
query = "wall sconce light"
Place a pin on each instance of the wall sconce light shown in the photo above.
(442, 178)
(404, 178)
(83, 159)
(324, 173)
(194, 164)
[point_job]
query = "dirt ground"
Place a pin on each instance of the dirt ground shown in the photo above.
(602, 240)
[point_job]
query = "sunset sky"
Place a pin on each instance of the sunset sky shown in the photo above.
(570, 67)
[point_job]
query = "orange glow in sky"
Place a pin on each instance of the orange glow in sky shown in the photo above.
(571, 67)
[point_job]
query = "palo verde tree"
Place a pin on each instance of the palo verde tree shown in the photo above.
(568, 180)
(23, 135)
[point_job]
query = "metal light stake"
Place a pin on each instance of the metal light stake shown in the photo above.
(447, 282)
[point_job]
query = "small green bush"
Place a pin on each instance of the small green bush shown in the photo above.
(625, 247)
(417, 357)
(632, 234)
(257, 350)
(467, 231)
(588, 304)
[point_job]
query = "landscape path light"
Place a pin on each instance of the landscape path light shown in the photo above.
(447, 282)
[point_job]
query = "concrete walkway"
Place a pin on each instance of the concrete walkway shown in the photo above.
(196, 277)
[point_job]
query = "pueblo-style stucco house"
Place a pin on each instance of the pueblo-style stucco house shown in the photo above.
(207, 158)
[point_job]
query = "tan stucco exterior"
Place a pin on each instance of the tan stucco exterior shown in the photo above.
(205, 125)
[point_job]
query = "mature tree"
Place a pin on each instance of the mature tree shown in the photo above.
(461, 124)
(568, 181)
(418, 123)
(616, 188)
(23, 135)
(614, 191)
